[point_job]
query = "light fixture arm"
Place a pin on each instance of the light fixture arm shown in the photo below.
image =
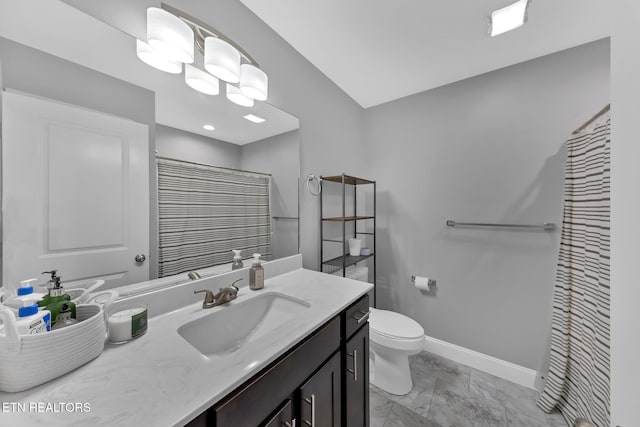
(203, 30)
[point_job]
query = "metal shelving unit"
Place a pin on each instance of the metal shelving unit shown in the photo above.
(345, 260)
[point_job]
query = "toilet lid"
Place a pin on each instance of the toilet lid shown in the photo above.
(394, 325)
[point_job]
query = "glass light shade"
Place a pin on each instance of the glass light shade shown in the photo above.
(170, 35)
(253, 82)
(152, 57)
(200, 80)
(236, 96)
(221, 59)
(508, 18)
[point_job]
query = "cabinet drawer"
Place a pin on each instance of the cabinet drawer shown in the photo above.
(256, 399)
(356, 316)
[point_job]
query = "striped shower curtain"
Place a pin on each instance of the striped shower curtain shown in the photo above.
(204, 212)
(577, 383)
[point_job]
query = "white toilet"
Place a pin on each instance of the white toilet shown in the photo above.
(393, 338)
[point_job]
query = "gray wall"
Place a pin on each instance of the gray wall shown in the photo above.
(486, 149)
(625, 205)
(29, 70)
(279, 156)
(181, 145)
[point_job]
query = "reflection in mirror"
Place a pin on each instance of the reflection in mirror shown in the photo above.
(100, 78)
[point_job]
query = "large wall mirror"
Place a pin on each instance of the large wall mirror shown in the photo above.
(87, 61)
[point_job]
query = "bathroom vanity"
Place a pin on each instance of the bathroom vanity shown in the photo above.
(323, 381)
(294, 353)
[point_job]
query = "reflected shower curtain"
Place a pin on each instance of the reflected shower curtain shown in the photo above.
(204, 212)
(578, 379)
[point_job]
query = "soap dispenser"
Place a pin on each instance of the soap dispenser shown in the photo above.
(237, 259)
(23, 293)
(256, 274)
(56, 297)
(32, 321)
(65, 317)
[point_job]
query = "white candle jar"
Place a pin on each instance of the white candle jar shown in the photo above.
(127, 323)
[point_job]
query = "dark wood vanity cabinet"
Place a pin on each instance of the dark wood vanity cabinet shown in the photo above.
(356, 381)
(322, 382)
(356, 364)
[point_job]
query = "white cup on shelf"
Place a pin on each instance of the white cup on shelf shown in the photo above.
(354, 247)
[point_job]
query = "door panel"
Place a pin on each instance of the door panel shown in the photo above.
(75, 193)
(320, 396)
(357, 379)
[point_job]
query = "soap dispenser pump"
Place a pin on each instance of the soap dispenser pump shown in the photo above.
(237, 259)
(56, 297)
(256, 274)
(23, 293)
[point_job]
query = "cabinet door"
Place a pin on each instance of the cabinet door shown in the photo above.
(283, 417)
(357, 379)
(320, 398)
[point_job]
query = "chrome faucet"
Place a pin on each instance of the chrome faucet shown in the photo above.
(222, 297)
(193, 275)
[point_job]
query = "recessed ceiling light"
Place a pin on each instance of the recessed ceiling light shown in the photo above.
(208, 127)
(508, 18)
(254, 119)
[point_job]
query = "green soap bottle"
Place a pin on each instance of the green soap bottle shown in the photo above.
(56, 298)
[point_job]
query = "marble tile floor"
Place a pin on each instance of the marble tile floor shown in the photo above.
(448, 394)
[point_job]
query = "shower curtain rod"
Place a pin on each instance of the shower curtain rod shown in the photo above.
(211, 166)
(592, 119)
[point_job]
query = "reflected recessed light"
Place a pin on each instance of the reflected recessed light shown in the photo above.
(508, 18)
(254, 119)
(208, 127)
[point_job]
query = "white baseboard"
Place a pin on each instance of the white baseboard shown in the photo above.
(500, 368)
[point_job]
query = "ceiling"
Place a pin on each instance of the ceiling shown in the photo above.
(378, 51)
(113, 52)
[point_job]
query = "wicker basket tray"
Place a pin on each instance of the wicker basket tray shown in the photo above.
(30, 360)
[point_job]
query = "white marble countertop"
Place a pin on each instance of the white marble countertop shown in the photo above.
(161, 380)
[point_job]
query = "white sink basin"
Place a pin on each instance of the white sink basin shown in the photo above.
(232, 325)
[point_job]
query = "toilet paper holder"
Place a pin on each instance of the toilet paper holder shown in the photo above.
(432, 282)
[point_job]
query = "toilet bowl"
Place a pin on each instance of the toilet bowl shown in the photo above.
(393, 338)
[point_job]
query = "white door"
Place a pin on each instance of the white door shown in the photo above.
(75, 193)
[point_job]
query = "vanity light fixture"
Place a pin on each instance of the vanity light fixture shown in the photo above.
(253, 118)
(508, 18)
(221, 59)
(170, 35)
(201, 80)
(208, 127)
(152, 57)
(238, 97)
(253, 82)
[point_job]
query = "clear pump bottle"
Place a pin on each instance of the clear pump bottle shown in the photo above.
(237, 259)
